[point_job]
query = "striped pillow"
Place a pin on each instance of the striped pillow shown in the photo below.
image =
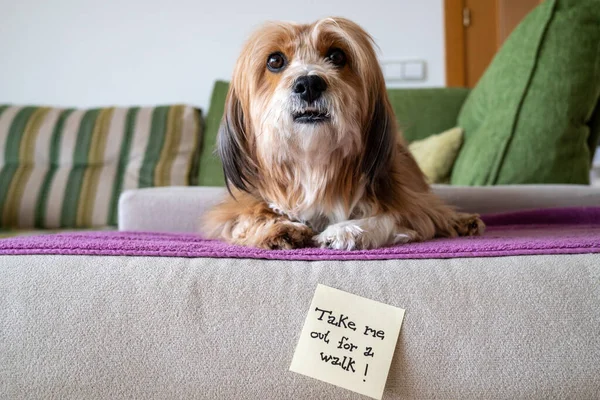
(65, 168)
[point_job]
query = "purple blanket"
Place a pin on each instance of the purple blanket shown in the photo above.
(553, 231)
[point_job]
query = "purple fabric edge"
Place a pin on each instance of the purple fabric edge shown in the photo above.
(305, 257)
(549, 218)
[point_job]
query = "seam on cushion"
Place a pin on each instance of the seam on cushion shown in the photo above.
(495, 172)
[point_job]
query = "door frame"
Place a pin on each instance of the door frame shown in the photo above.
(455, 43)
(455, 37)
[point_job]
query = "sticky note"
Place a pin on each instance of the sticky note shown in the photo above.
(348, 341)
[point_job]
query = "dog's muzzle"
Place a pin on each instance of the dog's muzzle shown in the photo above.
(308, 89)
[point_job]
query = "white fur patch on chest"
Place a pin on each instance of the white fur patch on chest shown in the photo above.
(315, 206)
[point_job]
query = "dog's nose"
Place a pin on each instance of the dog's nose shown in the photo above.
(309, 87)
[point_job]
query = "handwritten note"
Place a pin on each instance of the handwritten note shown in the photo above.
(348, 341)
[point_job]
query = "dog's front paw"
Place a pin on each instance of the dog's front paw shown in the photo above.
(469, 225)
(286, 236)
(342, 236)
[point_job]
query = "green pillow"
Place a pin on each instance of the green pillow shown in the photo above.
(529, 118)
(210, 169)
(436, 154)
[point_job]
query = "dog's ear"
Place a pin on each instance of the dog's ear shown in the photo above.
(238, 165)
(380, 139)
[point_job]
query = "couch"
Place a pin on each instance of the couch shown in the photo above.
(100, 327)
(213, 327)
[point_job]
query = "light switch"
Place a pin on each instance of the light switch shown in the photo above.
(414, 71)
(393, 70)
(404, 70)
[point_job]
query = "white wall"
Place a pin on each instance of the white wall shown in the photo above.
(100, 52)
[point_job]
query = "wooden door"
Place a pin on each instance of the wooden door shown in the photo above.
(475, 30)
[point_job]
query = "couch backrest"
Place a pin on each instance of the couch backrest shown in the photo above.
(424, 112)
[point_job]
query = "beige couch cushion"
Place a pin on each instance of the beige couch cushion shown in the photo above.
(178, 209)
(89, 327)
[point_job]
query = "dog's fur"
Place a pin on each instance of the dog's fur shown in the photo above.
(346, 183)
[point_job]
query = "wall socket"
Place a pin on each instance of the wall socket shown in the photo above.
(404, 70)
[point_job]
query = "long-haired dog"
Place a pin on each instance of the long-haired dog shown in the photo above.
(311, 152)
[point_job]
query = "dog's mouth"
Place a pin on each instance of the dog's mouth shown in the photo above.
(311, 117)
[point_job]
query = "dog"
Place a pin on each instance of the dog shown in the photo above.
(311, 152)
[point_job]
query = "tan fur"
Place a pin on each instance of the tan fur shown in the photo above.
(351, 180)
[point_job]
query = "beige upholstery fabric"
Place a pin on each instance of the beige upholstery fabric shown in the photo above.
(83, 327)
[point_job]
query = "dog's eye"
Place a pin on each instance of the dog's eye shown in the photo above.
(337, 57)
(276, 62)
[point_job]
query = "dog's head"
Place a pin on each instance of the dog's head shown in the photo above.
(304, 94)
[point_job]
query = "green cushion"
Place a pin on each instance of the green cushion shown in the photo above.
(420, 112)
(210, 171)
(528, 119)
(65, 168)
